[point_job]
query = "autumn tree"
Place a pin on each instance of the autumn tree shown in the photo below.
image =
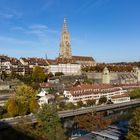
(92, 121)
(134, 126)
(25, 93)
(12, 107)
(49, 121)
(24, 101)
(33, 106)
(38, 74)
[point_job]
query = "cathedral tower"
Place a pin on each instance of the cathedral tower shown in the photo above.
(65, 49)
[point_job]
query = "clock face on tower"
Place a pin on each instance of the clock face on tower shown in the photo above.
(67, 43)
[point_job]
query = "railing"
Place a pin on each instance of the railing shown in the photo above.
(70, 113)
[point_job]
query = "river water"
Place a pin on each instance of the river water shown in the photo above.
(118, 129)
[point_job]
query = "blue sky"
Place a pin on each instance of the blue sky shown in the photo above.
(108, 30)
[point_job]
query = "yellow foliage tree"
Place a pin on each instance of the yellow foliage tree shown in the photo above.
(12, 107)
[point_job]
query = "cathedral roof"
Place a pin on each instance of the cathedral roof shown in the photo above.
(51, 61)
(83, 58)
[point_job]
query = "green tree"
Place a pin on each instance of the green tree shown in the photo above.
(102, 100)
(26, 79)
(38, 74)
(70, 106)
(50, 75)
(61, 105)
(59, 73)
(80, 104)
(13, 75)
(134, 126)
(134, 94)
(88, 81)
(90, 102)
(50, 123)
(2, 111)
(4, 75)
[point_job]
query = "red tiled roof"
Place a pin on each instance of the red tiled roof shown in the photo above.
(95, 88)
(64, 60)
(15, 61)
(82, 58)
(74, 59)
(25, 59)
(120, 96)
(4, 58)
(45, 85)
(35, 60)
(51, 61)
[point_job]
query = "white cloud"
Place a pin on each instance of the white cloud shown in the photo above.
(20, 47)
(38, 27)
(40, 31)
(10, 13)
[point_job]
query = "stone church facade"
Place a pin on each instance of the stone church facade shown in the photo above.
(65, 51)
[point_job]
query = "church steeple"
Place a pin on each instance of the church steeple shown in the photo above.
(65, 25)
(65, 49)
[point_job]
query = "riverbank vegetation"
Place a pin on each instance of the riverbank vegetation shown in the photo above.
(92, 121)
(134, 126)
(134, 94)
(47, 127)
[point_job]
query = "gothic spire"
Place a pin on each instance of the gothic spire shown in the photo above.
(65, 25)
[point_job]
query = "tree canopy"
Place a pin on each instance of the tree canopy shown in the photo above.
(38, 74)
(92, 121)
(103, 99)
(134, 94)
(91, 102)
(50, 123)
(23, 102)
(134, 126)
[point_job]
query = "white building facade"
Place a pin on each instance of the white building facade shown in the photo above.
(89, 92)
(120, 98)
(66, 68)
